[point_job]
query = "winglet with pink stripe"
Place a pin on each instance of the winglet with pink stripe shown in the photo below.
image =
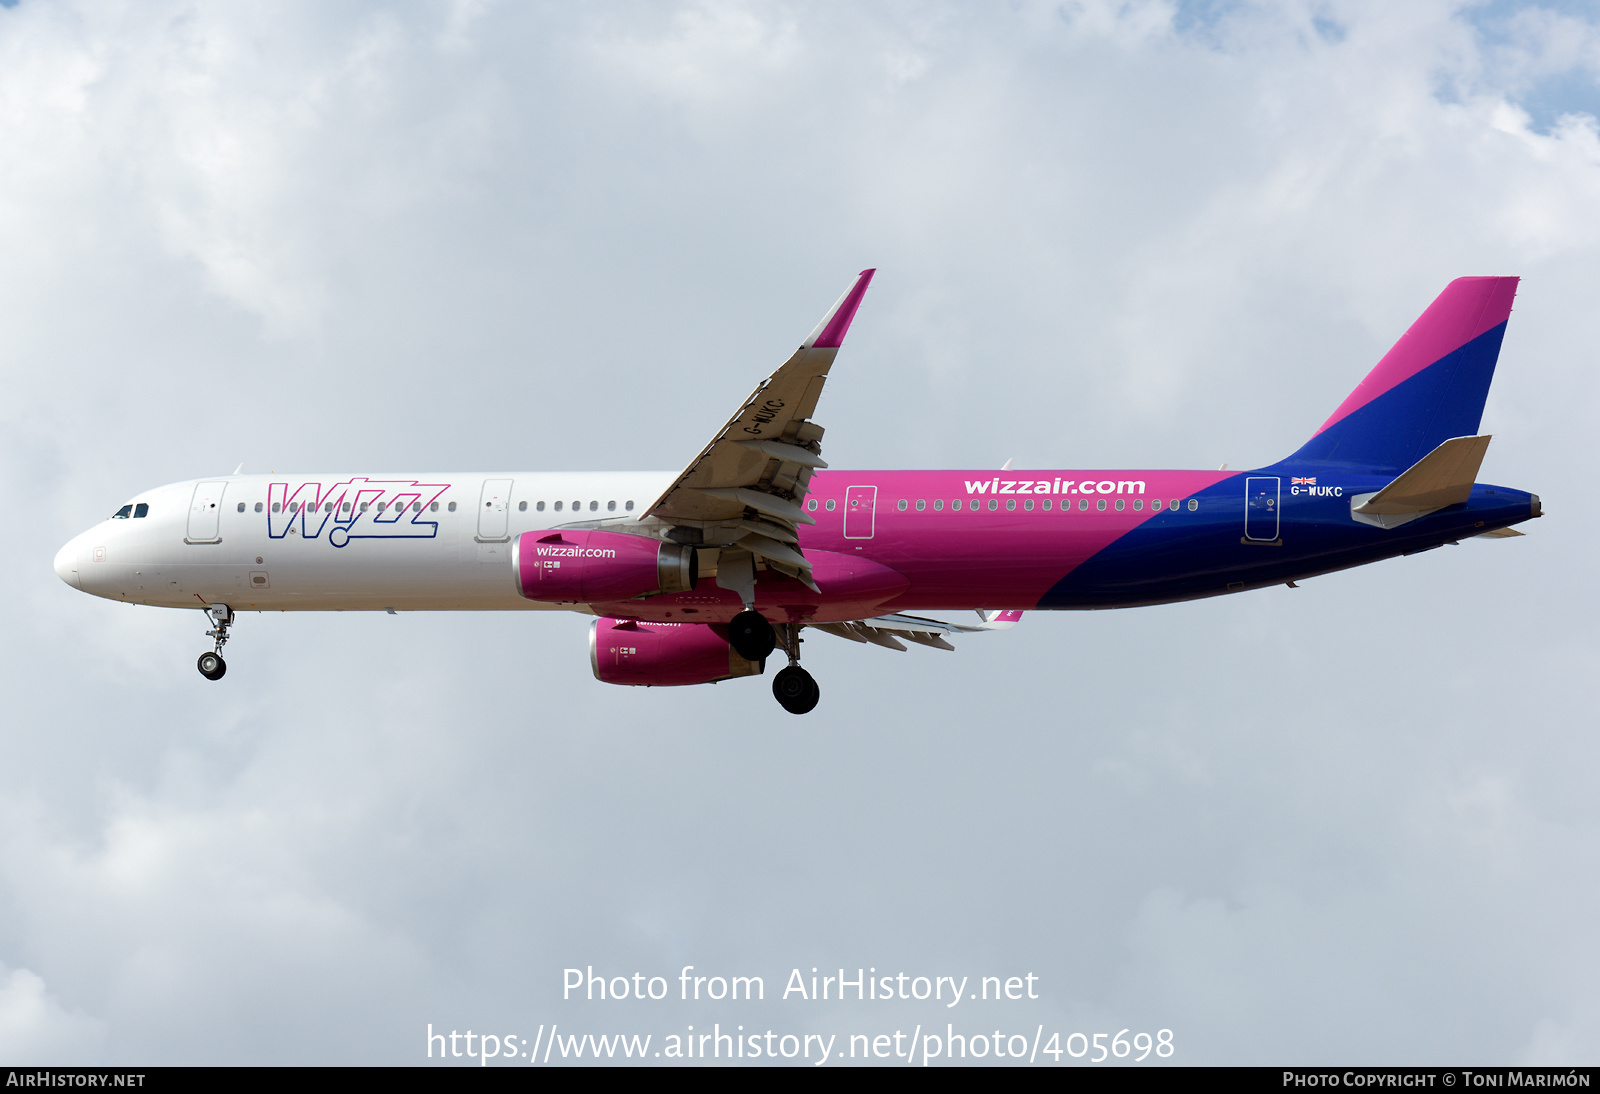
(830, 333)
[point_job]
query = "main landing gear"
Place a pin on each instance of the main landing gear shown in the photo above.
(754, 639)
(794, 687)
(211, 665)
(751, 636)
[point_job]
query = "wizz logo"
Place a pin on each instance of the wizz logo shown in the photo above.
(357, 508)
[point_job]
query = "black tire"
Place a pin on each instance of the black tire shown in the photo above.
(795, 690)
(211, 666)
(751, 636)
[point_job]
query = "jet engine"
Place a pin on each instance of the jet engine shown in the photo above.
(581, 567)
(628, 651)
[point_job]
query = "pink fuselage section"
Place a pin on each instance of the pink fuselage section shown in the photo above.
(873, 550)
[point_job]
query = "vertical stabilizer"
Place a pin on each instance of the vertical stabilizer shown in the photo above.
(1430, 387)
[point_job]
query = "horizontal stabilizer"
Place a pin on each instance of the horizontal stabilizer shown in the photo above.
(1443, 477)
(1500, 533)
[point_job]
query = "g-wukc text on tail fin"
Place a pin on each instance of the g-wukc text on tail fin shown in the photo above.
(1429, 388)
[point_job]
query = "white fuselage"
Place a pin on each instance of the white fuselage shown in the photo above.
(308, 542)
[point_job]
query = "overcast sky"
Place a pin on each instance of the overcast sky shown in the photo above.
(1354, 821)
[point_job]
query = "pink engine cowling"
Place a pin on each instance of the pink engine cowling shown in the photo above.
(627, 651)
(577, 567)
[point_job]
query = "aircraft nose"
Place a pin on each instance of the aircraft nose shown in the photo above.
(67, 560)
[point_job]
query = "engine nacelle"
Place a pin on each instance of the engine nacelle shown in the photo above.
(579, 567)
(626, 651)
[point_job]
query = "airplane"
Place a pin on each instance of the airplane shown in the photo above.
(698, 577)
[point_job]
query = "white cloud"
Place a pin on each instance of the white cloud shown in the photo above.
(36, 1029)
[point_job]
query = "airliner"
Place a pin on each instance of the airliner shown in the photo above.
(699, 576)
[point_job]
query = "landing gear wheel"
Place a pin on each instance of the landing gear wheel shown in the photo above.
(795, 690)
(211, 665)
(751, 636)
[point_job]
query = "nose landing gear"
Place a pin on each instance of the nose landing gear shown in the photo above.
(211, 665)
(794, 687)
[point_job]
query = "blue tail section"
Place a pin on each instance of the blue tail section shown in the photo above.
(1430, 387)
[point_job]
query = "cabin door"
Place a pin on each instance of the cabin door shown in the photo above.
(859, 503)
(494, 511)
(1261, 504)
(205, 513)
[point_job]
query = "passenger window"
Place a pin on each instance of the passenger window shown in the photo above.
(1101, 505)
(811, 504)
(241, 507)
(258, 507)
(327, 507)
(1011, 505)
(1193, 505)
(611, 507)
(416, 507)
(938, 505)
(922, 504)
(451, 507)
(433, 507)
(1155, 505)
(346, 506)
(628, 505)
(1028, 505)
(539, 506)
(577, 505)
(1045, 505)
(522, 507)
(382, 505)
(277, 507)
(1138, 506)
(123, 513)
(1121, 505)
(901, 505)
(831, 504)
(993, 505)
(1083, 505)
(141, 510)
(558, 507)
(1173, 504)
(365, 505)
(594, 506)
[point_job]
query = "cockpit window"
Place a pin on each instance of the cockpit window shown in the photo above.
(122, 514)
(141, 510)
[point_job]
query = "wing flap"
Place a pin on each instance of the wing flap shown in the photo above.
(762, 460)
(886, 630)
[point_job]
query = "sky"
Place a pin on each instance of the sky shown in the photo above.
(1349, 822)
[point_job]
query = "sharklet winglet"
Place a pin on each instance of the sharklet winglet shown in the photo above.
(829, 334)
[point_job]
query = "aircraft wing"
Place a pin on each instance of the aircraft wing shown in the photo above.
(887, 630)
(746, 487)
